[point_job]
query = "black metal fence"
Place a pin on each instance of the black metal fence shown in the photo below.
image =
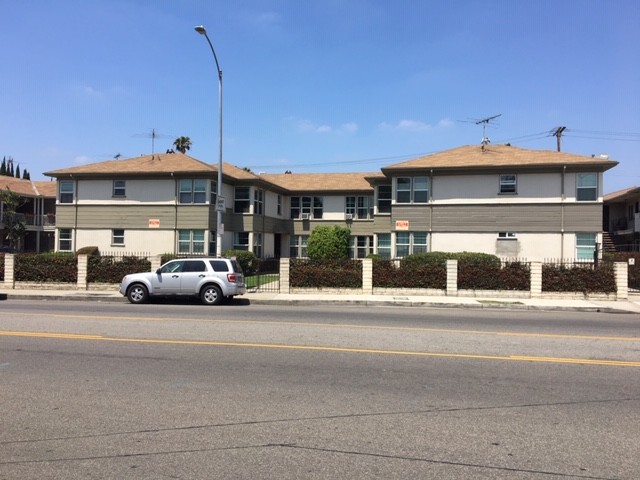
(266, 277)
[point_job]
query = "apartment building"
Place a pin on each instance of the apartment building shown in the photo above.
(497, 199)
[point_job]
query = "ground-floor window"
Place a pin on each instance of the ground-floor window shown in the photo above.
(408, 243)
(241, 240)
(191, 241)
(212, 243)
(65, 243)
(384, 245)
(360, 246)
(298, 246)
(257, 244)
(117, 236)
(585, 246)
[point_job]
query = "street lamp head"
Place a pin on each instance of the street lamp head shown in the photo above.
(201, 30)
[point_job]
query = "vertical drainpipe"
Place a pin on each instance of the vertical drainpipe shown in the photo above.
(175, 214)
(75, 214)
(562, 199)
(430, 246)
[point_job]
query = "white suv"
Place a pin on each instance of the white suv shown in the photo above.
(211, 279)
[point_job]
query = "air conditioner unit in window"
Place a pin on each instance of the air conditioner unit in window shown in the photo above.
(305, 216)
(348, 216)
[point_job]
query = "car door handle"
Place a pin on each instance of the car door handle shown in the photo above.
(202, 275)
(175, 276)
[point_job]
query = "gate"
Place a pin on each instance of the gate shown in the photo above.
(266, 277)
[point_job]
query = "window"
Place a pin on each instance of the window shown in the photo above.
(242, 200)
(311, 206)
(408, 243)
(192, 191)
(212, 243)
(119, 188)
(66, 191)
(384, 245)
(117, 236)
(412, 190)
(298, 246)
(257, 244)
(258, 201)
(279, 206)
(360, 246)
(219, 265)
(64, 240)
(241, 240)
(508, 184)
(360, 208)
(384, 198)
(507, 236)
(585, 246)
(191, 241)
(586, 187)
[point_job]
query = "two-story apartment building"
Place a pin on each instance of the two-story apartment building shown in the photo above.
(37, 212)
(495, 199)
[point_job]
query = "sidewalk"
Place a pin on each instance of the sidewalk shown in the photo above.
(273, 298)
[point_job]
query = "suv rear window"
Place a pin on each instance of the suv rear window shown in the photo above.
(219, 265)
(236, 266)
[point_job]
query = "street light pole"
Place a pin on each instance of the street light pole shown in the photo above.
(219, 225)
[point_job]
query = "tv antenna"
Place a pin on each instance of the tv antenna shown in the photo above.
(485, 122)
(153, 135)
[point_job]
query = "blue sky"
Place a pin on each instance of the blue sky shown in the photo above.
(317, 86)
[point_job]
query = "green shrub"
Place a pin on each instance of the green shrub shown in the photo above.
(328, 242)
(245, 259)
(414, 273)
(325, 273)
(1, 267)
(578, 278)
(46, 267)
(111, 269)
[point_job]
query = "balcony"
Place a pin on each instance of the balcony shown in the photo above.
(30, 220)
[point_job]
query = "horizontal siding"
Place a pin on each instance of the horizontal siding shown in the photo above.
(419, 217)
(65, 216)
(583, 217)
(498, 218)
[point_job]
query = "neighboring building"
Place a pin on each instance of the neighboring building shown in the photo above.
(494, 199)
(37, 212)
(621, 220)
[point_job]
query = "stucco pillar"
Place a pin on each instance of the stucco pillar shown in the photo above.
(621, 274)
(452, 278)
(284, 275)
(367, 276)
(83, 263)
(156, 262)
(9, 270)
(536, 280)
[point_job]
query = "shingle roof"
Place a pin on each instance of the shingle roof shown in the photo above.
(474, 156)
(27, 188)
(320, 182)
(622, 194)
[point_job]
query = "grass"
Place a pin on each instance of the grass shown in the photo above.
(256, 281)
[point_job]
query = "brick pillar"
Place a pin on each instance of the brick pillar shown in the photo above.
(452, 278)
(83, 262)
(9, 270)
(284, 275)
(156, 262)
(367, 276)
(621, 274)
(536, 280)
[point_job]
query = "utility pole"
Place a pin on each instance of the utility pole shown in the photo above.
(558, 134)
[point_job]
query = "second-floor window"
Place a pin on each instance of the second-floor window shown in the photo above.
(119, 188)
(508, 184)
(586, 187)
(412, 190)
(192, 191)
(258, 201)
(360, 208)
(214, 192)
(241, 200)
(384, 198)
(67, 191)
(306, 207)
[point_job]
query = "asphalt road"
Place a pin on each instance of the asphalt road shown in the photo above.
(186, 391)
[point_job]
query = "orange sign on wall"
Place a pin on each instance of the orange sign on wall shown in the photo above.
(402, 224)
(154, 223)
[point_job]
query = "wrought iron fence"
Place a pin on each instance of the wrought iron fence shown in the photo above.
(266, 277)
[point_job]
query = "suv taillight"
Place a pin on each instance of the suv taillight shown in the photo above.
(232, 277)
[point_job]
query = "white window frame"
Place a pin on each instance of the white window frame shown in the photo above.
(414, 190)
(507, 236)
(67, 191)
(65, 235)
(242, 201)
(586, 246)
(508, 184)
(412, 244)
(383, 201)
(117, 237)
(191, 241)
(582, 189)
(239, 242)
(119, 188)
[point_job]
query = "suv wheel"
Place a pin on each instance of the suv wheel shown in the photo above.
(211, 295)
(137, 294)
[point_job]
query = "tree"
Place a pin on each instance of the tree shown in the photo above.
(18, 171)
(3, 167)
(328, 242)
(182, 144)
(26, 175)
(14, 228)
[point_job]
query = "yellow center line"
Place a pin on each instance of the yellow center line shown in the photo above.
(332, 325)
(516, 358)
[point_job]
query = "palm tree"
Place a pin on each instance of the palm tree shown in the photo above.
(182, 144)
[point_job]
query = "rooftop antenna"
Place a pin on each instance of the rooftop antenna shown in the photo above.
(153, 135)
(485, 122)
